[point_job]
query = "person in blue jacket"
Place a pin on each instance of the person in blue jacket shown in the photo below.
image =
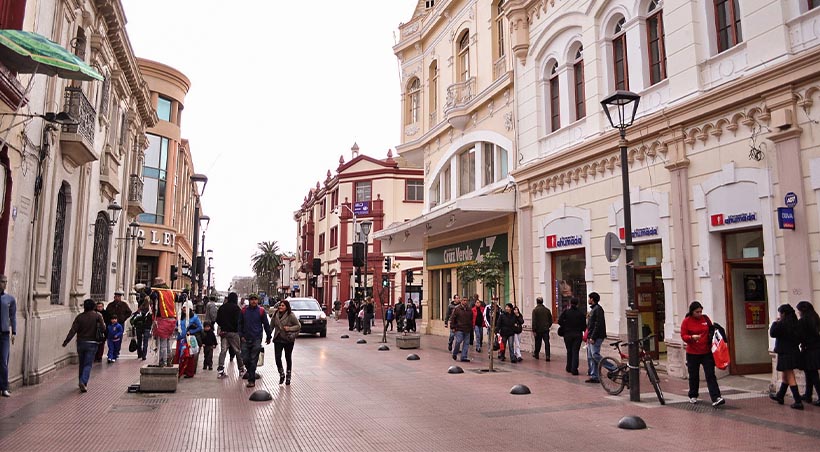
(189, 325)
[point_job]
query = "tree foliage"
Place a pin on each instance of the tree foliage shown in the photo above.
(489, 270)
(265, 263)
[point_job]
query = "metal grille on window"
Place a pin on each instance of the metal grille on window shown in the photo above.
(99, 263)
(57, 253)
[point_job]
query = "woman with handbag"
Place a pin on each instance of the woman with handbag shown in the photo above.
(787, 346)
(286, 328)
(90, 329)
(694, 331)
(187, 343)
(809, 327)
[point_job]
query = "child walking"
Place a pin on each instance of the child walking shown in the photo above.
(209, 344)
(114, 339)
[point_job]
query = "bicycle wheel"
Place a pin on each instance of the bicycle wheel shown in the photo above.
(652, 373)
(612, 375)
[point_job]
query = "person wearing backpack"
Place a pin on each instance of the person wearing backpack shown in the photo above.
(252, 322)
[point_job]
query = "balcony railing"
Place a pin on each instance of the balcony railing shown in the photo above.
(81, 110)
(499, 67)
(459, 94)
(135, 187)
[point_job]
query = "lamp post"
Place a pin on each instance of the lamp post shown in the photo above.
(204, 221)
(199, 181)
(625, 103)
(210, 267)
(133, 234)
(365, 228)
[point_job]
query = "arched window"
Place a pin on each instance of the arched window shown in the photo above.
(657, 43)
(59, 238)
(463, 66)
(413, 91)
(99, 262)
(727, 24)
(555, 99)
(578, 79)
(619, 65)
(433, 96)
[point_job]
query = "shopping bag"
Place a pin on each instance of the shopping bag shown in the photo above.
(193, 345)
(132, 346)
(261, 361)
(720, 351)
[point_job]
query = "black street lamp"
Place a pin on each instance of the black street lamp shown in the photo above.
(210, 268)
(204, 221)
(365, 228)
(199, 181)
(625, 103)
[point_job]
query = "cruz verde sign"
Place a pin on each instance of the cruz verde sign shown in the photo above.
(465, 252)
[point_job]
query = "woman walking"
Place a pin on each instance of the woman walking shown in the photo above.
(571, 325)
(85, 326)
(809, 328)
(787, 346)
(189, 325)
(695, 333)
(286, 328)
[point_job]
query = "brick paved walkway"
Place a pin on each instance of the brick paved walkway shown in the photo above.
(352, 397)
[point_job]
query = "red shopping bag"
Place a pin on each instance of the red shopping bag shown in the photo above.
(500, 341)
(720, 351)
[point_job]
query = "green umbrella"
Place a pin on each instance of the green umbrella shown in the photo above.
(28, 53)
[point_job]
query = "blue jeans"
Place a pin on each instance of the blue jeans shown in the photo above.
(250, 356)
(594, 357)
(142, 343)
(5, 345)
(478, 331)
(86, 351)
(462, 342)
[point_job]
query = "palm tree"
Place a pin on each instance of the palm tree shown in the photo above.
(266, 263)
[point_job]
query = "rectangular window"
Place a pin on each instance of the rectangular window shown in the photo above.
(502, 163)
(322, 243)
(446, 181)
(164, 109)
(323, 208)
(334, 237)
(414, 190)
(435, 193)
(363, 191)
(727, 24)
(580, 96)
(657, 48)
(620, 67)
(488, 157)
(466, 169)
(555, 104)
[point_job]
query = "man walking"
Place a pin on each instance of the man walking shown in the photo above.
(210, 310)
(227, 317)
(461, 323)
(8, 330)
(596, 333)
(454, 303)
(351, 314)
(541, 323)
(398, 312)
(118, 308)
(253, 320)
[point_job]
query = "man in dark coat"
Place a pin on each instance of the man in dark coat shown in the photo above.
(571, 324)
(541, 323)
(461, 323)
(227, 317)
(596, 333)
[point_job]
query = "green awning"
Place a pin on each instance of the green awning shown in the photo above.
(28, 53)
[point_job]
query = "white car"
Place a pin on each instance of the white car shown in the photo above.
(310, 315)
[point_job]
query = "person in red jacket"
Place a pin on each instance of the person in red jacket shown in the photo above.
(695, 333)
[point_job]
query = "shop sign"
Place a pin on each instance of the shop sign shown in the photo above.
(785, 217)
(640, 232)
(722, 219)
(553, 241)
(161, 238)
(361, 208)
(755, 315)
(465, 252)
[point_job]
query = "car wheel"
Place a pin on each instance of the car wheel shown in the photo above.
(323, 333)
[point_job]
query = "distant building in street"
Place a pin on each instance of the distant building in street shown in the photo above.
(384, 192)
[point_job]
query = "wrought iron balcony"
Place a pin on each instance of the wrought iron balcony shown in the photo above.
(135, 187)
(77, 140)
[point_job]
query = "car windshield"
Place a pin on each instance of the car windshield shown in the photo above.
(304, 305)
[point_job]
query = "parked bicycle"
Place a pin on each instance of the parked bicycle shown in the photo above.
(615, 374)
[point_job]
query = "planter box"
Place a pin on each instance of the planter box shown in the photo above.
(408, 341)
(159, 379)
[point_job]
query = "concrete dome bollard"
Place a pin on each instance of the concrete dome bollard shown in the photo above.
(631, 423)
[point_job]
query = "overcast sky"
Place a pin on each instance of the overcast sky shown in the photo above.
(279, 90)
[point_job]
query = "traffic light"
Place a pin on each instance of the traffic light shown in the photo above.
(387, 264)
(174, 275)
(317, 266)
(358, 275)
(385, 280)
(358, 293)
(409, 276)
(358, 254)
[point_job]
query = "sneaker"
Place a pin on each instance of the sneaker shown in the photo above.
(250, 384)
(718, 402)
(5, 393)
(449, 347)
(83, 387)
(465, 360)
(592, 380)
(547, 358)
(693, 400)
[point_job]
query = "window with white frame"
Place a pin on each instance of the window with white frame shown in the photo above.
(555, 99)
(433, 88)
(619, 65)
(499, 30)
(727, 24)
(463, 65)
(435, 193)
(466, 172)
(578, 81)
(363, 191)
(657, 43)
(414, 190)
(413, 91)
(488, 161)
(445, 180)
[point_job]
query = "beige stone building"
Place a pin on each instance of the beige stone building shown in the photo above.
(458, 117)
(723, 140)
(364, 189)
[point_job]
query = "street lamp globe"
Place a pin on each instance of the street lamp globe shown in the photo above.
(366, 227)
(625, 104)
(133, 229)
(200, 181)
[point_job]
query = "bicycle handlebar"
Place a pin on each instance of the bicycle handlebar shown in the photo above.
(639, 341)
